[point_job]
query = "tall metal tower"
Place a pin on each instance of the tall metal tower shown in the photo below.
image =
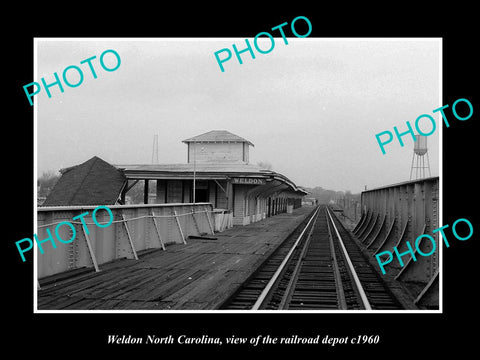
(420, 149)
(155, 149)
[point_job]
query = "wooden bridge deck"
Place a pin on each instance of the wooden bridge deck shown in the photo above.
(197, 276)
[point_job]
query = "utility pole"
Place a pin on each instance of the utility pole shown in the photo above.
(155, 149)
(194, 170)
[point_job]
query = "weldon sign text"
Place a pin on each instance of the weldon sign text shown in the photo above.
(249, 181)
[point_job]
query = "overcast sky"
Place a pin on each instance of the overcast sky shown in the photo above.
(311, 108)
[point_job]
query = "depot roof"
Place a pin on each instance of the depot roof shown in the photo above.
(96, 182)
(223, 168)
(203, 171)
(217, 136)
(93, 182)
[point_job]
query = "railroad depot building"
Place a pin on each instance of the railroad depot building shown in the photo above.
(217, 171)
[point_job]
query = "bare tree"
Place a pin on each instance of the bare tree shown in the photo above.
(47, 181)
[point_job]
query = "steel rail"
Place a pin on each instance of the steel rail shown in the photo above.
(287, 296)
(277, 273)
(358, 284)
(342, 301)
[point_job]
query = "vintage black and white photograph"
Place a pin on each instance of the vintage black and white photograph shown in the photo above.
(267, 174)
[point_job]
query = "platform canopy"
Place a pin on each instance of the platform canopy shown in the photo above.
(237, 173)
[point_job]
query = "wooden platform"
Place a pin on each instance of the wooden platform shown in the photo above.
(197, 276)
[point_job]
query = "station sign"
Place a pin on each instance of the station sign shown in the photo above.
(248, 181)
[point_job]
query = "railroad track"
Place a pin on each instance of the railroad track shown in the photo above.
(319, 267)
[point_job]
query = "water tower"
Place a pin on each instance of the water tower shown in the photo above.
(420, 150)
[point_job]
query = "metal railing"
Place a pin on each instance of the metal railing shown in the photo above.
(134, 228)
(395, 214)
